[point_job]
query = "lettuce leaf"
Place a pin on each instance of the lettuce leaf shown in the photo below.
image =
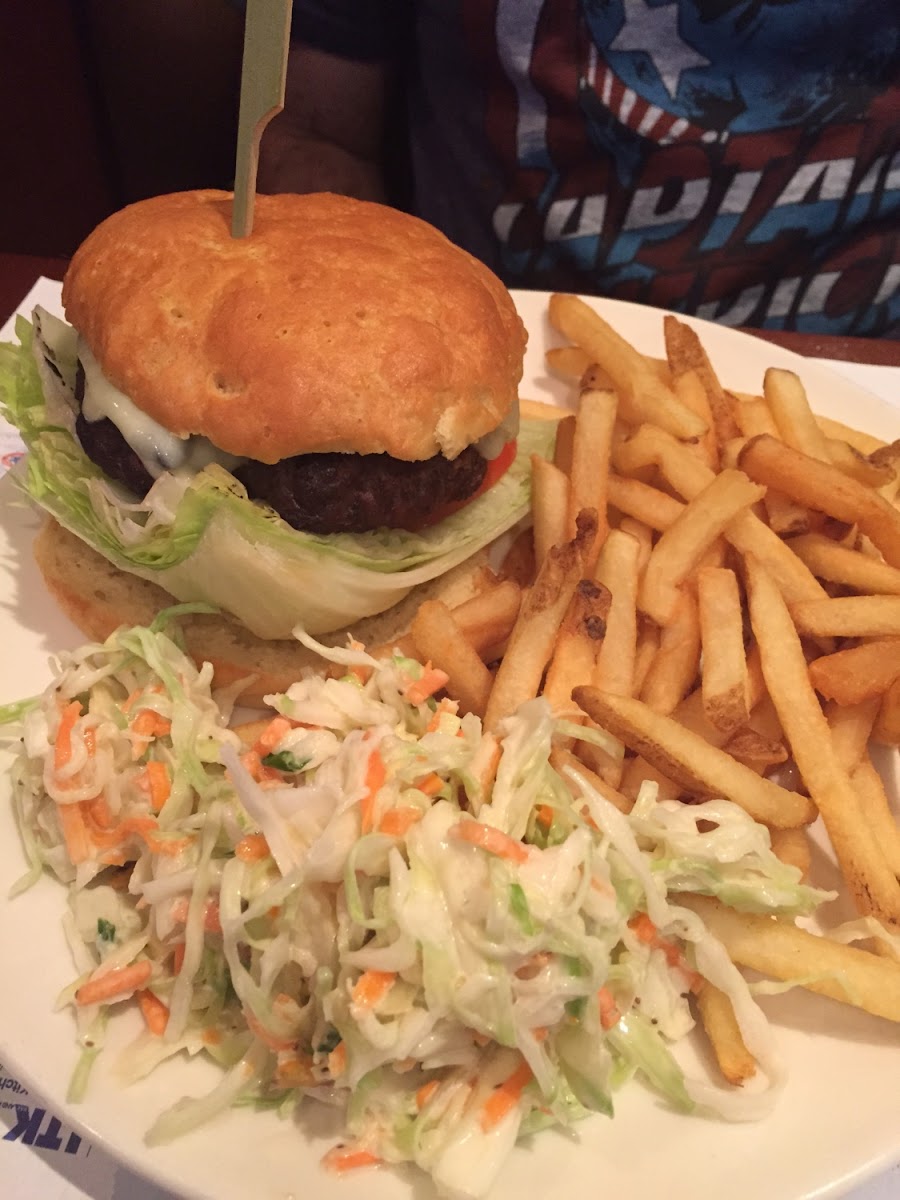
(203, 540)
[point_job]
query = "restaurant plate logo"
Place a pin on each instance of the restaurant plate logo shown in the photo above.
(30, 1124)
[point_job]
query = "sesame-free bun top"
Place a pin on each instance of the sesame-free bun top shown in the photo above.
(338, 325)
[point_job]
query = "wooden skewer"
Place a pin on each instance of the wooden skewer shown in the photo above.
(266, 40)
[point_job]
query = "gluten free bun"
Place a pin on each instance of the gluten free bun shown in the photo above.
(98, 598)
(338, 325)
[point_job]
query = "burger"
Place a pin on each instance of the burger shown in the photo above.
(300, 427)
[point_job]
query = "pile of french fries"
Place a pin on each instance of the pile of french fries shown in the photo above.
(714, 579)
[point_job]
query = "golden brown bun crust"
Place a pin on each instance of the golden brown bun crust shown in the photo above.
(99, 598)
(338, 325)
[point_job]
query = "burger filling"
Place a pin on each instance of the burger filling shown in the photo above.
(351, 493)
(318, 493)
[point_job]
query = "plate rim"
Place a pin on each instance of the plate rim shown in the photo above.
(163, 1176)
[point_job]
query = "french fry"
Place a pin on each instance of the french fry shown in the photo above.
(689, 389)
(549, 506)
(645, 652)
(691, 716)
(829, 560)
(876, 811)
(590, 463)
(660, 449)
(848, 616)
(596, 377)
(731, 451)
(683, 544)
(821, 486)
(887, 725)
(783, 951)
(851, 676)
(735, 1061)
(792, 847)
(753, 416)
(851, 727)
(755, 749)
(724, 675)
(483, 769)
(865, 443)
(570, 362)
(750, 536)
(488, 618)
(643, 535)
(642, 394)
(785, 516)
(439, 640)
(518, 562)
(882, 454)
(401, 645)
(746, 532)
(651, 446)
(561, 759)
(789, 406)
(685, 352)
(658, 510)
(637, 771)
(702, 769)
(562, 449)
(617, 570)
(661, 367)
(756, 683)
(891, 458)
(674, 666)
(846, 458)
(607, 766)
(580, 637)
(764, 719)
(862, 861)
(534, 634)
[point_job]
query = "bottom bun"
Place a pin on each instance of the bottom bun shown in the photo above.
(99, 598)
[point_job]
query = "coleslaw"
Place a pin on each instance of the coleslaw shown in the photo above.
(366, 900)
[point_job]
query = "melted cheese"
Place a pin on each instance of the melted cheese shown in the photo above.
(492, 443)
(157, 448)
(160, 450)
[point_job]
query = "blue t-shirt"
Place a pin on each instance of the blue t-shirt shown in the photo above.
(738, 159)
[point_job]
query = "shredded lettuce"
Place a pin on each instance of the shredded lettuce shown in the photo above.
(201, 539)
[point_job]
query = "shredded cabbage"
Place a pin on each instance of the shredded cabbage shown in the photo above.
(328, 914)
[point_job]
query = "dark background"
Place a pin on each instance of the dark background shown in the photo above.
(103, 102)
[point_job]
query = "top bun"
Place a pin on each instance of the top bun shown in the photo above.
(338, 325)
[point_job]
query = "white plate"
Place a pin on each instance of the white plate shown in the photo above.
(837, 1120)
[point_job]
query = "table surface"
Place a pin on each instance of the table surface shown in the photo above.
(19, 271)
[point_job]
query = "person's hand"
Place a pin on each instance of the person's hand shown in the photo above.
(329, 137)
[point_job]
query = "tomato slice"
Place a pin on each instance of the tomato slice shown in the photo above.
(496, 469)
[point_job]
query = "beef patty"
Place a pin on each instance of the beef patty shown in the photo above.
(350, 493)
(319, 493)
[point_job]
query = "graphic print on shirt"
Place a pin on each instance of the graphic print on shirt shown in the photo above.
(735, 158)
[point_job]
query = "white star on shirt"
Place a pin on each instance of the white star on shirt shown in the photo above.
(654, 30)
